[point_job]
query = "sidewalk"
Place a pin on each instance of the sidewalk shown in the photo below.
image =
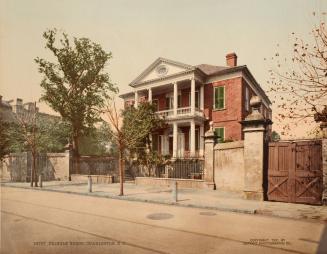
(207, 199)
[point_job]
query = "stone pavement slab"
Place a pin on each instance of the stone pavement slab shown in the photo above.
(207, 199)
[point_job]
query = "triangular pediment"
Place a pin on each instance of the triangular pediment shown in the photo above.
(161, 68)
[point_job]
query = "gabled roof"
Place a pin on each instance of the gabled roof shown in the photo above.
(210, 69)
(207, 69)
(157, 62)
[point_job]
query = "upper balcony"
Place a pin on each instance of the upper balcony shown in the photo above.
(182, 99)
(181, 112)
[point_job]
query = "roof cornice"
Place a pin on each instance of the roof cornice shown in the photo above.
(245, 70)
(135, 83)
(163, 78)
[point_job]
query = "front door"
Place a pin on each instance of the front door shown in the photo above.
(170, 145)
(180, 145)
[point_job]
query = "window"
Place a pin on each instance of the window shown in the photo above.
(156, 103)
(220, 133)
(169, 102)
(179, 100)
(219, 98)
(247, 99)
(129, 103)
(155, 142)
(197, 139)
(197, 99)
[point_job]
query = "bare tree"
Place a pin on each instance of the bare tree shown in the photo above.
(115, 123)
(299, 84)
(130, 129)
(28, 132)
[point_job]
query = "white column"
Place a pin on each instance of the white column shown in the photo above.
(192, 96)
(136, 100)
(151, 143)
(192, 141)
(175, 98)
(175, 139)
(150, 95)
(201, 140)
(202, 97)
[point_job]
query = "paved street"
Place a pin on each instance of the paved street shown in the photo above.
(50, 222)
(199, 198)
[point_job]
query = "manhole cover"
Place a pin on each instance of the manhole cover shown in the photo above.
(160, 216)
(208, 213)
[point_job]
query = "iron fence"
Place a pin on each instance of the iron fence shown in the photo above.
(182, 169)
(95, 165)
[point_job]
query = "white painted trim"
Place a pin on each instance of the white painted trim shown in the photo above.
(213, 79)
(156, 63)
(256, 91)
(183, 121)
(168, 81)
(247, 99)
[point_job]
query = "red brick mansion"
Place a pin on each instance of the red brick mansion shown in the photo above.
(190, 97)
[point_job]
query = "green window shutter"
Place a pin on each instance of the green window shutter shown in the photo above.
(220, 133)
(219, 97)
(216, 97)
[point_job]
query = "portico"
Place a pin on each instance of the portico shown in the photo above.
(181, 104)
(181, 139)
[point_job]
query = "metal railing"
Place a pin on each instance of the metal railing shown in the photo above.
(182, 169)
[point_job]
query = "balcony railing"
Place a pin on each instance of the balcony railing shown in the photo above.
(185, 111)
(166, 113)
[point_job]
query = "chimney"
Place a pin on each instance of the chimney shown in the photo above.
(231, 59)
(19, 102)
(19, 105)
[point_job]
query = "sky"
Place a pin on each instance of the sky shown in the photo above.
(138, 32)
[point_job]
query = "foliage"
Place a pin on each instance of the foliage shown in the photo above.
(275, 136)
(138, 124)
(4, 139)
(98, 142)
(149, 160)
(75, 85)
(130, 130)
(51, 135)
(299, 84)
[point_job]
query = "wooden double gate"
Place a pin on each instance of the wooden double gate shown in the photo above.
(295, 172)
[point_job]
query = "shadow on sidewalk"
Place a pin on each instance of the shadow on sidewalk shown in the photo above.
(322, 248)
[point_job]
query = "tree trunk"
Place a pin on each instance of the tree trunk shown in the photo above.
(76, 164)
(121, 172)
(32, 169)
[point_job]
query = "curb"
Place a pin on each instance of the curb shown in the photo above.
(225, 209)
